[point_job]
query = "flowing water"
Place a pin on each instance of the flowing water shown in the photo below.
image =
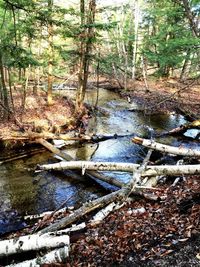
(23, 191)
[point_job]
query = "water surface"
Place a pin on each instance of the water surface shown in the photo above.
(23, 191)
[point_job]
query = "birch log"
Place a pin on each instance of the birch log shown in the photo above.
(103, 213)
(56, 256)
(85, 209)
(126, 167)
(182, 151)
(43, 214)
(31, 242)
(65, 156)
(137, 175)
(90, 165)
(119, 195)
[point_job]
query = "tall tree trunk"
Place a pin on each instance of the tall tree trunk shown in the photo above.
(4, 90)
(50, 54)
(190, 17)
(97, 81)
(116, 76)
(144, 72)
(136, 17)
(185, 66)
(10, 88)
(85, 50)
(81, 90)
(25, 88)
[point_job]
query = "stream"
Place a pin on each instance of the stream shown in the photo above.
(25, 192)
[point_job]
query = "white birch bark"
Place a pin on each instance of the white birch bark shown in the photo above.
(41, 215)
(89, 165)
(74, 228)
(182, 151)
(126, 167)
(32, 242)
(56, 256)
(103, 213)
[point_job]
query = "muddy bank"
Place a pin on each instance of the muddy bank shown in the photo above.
(166, 96)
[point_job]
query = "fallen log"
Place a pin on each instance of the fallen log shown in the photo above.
(56, 256)
(65, 156)
(188, 114)
(183, 128)
(100, 138)
(44, 214)
(32, 242)
(137, 175)
(90, 165)
(116, 196)
(22, 155)
(153, 170)
(85, 209)
(182, 151)
(28, 136)
(32, 136)
(103, 213)
(74, 228)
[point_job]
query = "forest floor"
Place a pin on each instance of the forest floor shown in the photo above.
(37, 116)
(147, 233)
(164, 96)
(142, 233)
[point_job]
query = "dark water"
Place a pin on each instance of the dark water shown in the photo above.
(24, 192)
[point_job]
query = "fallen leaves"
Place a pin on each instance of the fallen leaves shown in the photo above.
(146, 229)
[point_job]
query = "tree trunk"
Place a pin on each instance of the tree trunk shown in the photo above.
(124, 167)
(10, 88)
(136, 21)
(185, 67)
(90, 174)
(116, 76)
(4, 90)
(25, 88)
(50, 53)
(31, 242)
(190, 16)
(144, 72)
(167, 149)
(56, 256)
(85, 50)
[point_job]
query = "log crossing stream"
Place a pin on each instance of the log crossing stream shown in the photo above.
(25, 192)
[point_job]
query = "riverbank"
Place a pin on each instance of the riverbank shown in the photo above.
(161, 97)
(37, 117)
(161, 234)
(165, 96)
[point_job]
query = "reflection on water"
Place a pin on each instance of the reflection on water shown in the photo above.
(24, 191)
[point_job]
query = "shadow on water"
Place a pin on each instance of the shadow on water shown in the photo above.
(23, 191)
